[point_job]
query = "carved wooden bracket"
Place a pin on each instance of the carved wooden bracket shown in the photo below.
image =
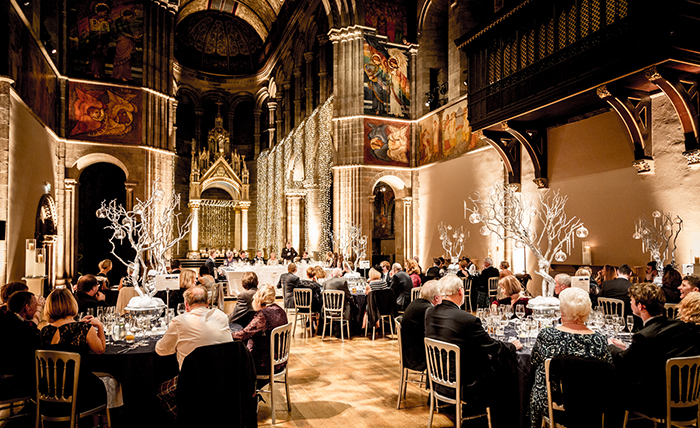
(683, 93)
(634, 108)
(534, 140)
(508, 148)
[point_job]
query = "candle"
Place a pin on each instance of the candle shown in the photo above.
(31, 246)
(697, 260)
(40, 258)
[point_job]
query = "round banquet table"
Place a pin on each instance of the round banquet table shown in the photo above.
(140, 371)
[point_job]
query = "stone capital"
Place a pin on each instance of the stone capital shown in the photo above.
(309, 56)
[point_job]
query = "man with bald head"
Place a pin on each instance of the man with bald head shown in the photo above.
(413, 325)
(337, 282)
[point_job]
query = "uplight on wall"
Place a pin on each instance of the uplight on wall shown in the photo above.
(586, 256)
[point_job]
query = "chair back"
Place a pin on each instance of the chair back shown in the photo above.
(493, 287)
(397, 323)
(443, 361)
(57, 379)
(302, 299)
(671, 310)
(333, 303)
(612, 306)
(280, 342)
(682, 383)
(125, 295)
(415, 293)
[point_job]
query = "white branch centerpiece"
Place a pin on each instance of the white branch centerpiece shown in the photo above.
(656, 236)
(152, 228)
(507, 214)
(452, 243)
(352, 241)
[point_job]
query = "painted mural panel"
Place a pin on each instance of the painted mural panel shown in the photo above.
(35, 80)
(387, 90)
(388, 17)
(104, 113)
(386, 142)
(106, 39)
(446, 134)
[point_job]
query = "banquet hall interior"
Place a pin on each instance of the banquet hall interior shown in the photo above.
(277, 121)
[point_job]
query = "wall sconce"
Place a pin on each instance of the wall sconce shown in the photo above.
(586, 256)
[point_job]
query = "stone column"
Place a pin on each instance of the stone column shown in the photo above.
(322, 69)
(230, 117)
(245, 205)
(400, 229)
(71, 224)
(49, 243)
(194, 229)
(407, 221)
(198, 113)
(370, 235)
(309, 57)
(237, 228)
(256, 131)
(313, 217)
(271, 107)
(297, 97)
(294, 219)
(130, 195)
(287, 113)
(280, 116)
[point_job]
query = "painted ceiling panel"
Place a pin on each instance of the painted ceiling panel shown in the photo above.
(249, 16)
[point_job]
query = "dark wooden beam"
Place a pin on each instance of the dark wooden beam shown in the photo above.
(508, 148)
(534, 140)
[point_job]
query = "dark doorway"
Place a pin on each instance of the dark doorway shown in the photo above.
(383, 233)
(100, 182)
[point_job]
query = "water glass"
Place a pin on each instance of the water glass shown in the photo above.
(520, 311)
(180, 308)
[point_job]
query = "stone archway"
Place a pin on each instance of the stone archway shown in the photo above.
(402, 209)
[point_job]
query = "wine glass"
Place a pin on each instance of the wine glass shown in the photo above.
(520, 311)
(180, 308)
(630, 323)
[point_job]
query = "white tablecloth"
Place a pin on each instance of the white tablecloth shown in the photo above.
(266, 274)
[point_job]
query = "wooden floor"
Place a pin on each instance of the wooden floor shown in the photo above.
(347, 384)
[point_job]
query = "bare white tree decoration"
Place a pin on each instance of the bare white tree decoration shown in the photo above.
(505, 213)
(656, 238)
(152, 228)
(351, 241)
(452, 241)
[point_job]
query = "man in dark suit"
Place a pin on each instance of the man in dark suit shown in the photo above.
(642, 365)
(483, 360)
(402, 285)
(211, 262)
(288, 253)
(243, 311)
(434, 271)
(413, 326)
(618, 288)
(482, 284)
(337, 282)
(21, 336)
(289, 281)
(88, 294)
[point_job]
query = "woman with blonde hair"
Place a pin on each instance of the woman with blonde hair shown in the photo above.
(511, 288)
(256, 334)
(102, 277)
(689, 308)
(375, 281)
(413, 271)
(188, 279)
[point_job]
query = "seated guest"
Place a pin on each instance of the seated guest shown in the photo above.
(401, 284)
(482, 284)
(689, 284)
(18, 332)
(463, 269)
(413, 271)
(375, 281)
(175, 266)
(211, 262)
(215, 290)
(305, 257)
(642, 365)
(572, 337)
(510, 286)
(230, 260)
(273, 260)
(385, 267)
(128, 280)
(259, 258)
(337, 282)
(88, 294)
(312, 284)
(593, 289)
(480, 354)
(504, 269)
(608, 273)
(63, 333)
(288, 282)
(198, 326)
(244, 257)
(562, 281)
(330, 260)
(652, 271)
(103, 277)
(670, 282)
(243, 311)
(7, 291)
(188, 279)
(413, 326)
(434, 271)
(689, 308)
(256, 334)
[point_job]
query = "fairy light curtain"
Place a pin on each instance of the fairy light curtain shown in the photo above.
(217, 223)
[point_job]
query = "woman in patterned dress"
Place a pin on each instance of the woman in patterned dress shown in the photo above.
(572, 337)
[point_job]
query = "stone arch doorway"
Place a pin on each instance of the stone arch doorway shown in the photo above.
(390, 219)
(99, 182)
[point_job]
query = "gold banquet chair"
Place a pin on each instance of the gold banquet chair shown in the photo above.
(671, 310)
(440, 358)
(682, 391)
(334, 310)
(415, 293)
(280, 342)
(302, 306)
(493, 289)
(612, 306)
(57, 375)
(405, 371)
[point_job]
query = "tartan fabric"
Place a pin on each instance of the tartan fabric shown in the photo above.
(166, 395)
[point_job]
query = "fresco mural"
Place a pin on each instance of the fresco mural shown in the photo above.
(104, 113)
(106, 39)
(446, 134)
(387, 90)
(35, 80)
(388, 17)
(386, 142)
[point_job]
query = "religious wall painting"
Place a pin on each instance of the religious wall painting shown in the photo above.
(386, 142)
(429, 141)
(387, 90)
(104, 113)
(106, 39)
(388, 17)
(35, 80)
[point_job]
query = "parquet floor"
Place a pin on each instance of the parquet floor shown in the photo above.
(347, 384)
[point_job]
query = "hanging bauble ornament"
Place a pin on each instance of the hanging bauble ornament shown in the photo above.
(474, 218)
(138, 209)
(637, 235)
(678, 220)
(484, 230)
(560, 256)
(581, 232)
(519, 244)
(656, 214)
(119, 234)
(126, 221)
(101, 213)
(158, 194)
